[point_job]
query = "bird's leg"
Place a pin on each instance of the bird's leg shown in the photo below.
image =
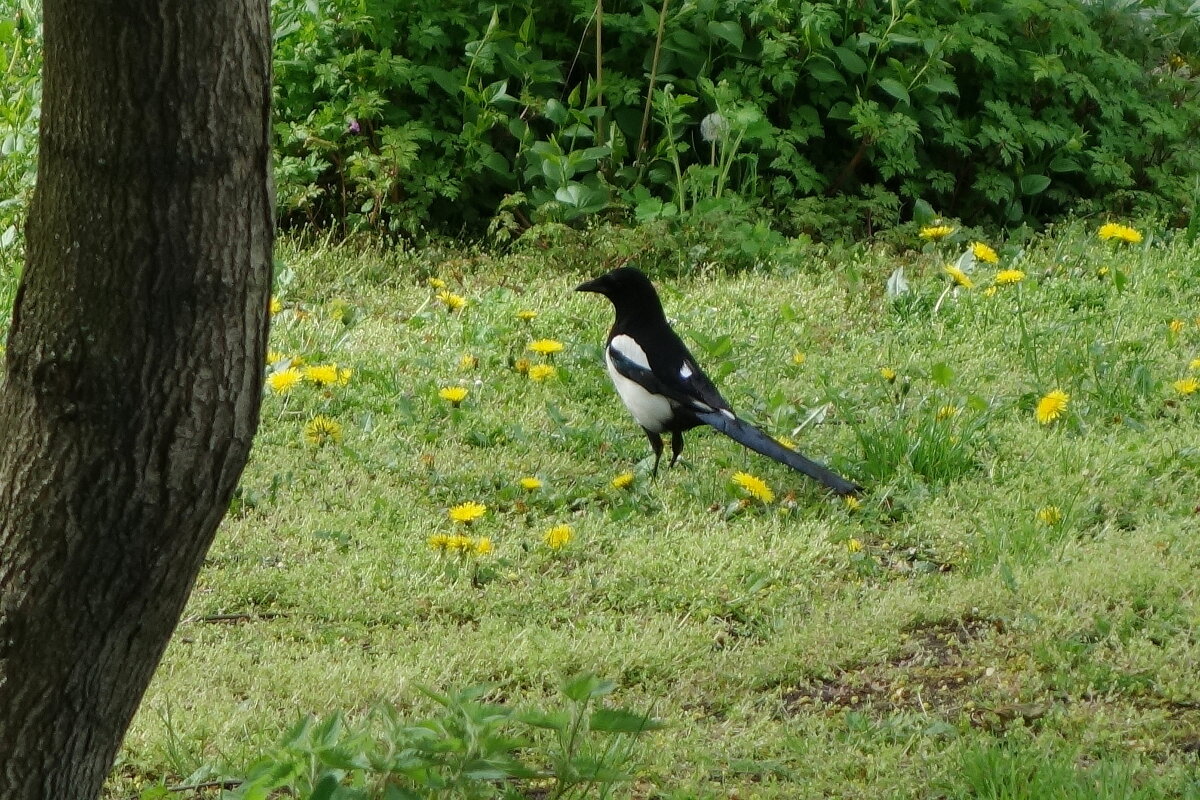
(676, 446)
(656, 445)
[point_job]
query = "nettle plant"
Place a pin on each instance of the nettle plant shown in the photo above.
(400, 117)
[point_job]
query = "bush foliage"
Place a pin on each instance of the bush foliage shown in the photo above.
(404, 116)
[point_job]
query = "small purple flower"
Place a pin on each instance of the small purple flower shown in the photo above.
(353, 126)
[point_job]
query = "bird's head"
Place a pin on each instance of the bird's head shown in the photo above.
(623, 286)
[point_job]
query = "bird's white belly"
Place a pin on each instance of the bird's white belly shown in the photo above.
(651, 411)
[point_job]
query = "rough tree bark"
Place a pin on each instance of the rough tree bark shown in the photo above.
(134, 365)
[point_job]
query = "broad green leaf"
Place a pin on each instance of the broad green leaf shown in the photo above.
(851, 60)
(895, 88)
(824, 71)
(1034, 184)
(615, 720)
(729, 31)
(941, 373)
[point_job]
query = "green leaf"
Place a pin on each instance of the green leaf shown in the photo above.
(729, 31)
(587, 687)
(824, 71)
(940, 84)
(1064, 164)
(616, 720)
(324, 789)
(556, 721)
(941, 373)
(895, 88)
(1034, 184)
(851, 60)
(555, 111)
(923, 213)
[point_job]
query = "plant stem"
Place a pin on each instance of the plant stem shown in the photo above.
(662, 24)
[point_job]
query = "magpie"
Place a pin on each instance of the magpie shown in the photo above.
(664, 389)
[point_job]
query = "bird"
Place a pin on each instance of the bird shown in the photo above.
(663, 387)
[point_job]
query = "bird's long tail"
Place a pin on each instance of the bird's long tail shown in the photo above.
(750, 436)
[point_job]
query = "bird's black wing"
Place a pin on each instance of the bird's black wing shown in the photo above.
(696, 392)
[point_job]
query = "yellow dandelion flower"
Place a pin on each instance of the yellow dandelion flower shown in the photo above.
(984, 253)
(1122, 233)
(888, 374)
(852, 544)
(526, 315)
(521, 365)
(1007, 277)
(958, 276)
(458, 543)
(298, 361)
(755, 487)
(1194, 364)
(947, 412)
(321, 374)
(452, 301)
(322, 430)
(530, 484)
(558, 536)
(541, 372)
(786, 442)
(439, 541)
(1049, 515)
(284, 380)
(1052, 406)
(989, 291)
(1103, 272)
(1176, 326)
(1186, 386)
(799, 357)
(623, 481)
(468, 361)
(468, 512)
(545, 347)
(274, 357)
(338, 309)
(436, 283)
(454, 395)
(483, 546)
(935, 233)
(852, 504)
(344, 375)
(276, 305)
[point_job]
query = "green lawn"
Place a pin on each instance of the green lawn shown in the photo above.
(1011, 612)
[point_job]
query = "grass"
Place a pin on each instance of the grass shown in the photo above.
(951, 637)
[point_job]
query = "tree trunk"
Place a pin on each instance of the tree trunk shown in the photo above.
(134, 367)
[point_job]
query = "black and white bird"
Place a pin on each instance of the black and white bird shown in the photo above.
(664, 389)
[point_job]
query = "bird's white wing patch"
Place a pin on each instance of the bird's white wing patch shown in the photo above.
(652, 411)
(685, 371)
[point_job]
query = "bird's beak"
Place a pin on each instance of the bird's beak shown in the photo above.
(590, 286)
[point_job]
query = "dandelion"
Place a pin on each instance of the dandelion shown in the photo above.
(521, 365)
(623, 481)
(888, 374)
(799, 357)
(458, 543)
(322, 374)
(1049, 516)
(989, 291)
(344, 375)
(786, 442)
(530, 484)
(984, 253)
(545, 347)
(947, 412)
(755, 487)
(276, 305)
(1186, 386)
(1122, 233)
(452, 301)
(1176, 326)
(436, 283)
(468, 361)
(852, 503)
(541, 372)
(1194, 365)
(439, 541)
(958, 276)
(468, 512)
(322, 430)
(526, 315)
(454, 395)
(339, 309)
(1103, 272)
(935, 233)
(1007, 277)
(1052, 406)
(557, 537)
(483, 546)
(284, 380)
(852, 544)
(274, 357)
